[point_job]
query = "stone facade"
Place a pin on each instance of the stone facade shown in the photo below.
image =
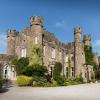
(52, 50)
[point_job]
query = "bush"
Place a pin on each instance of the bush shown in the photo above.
(20, 64)
(61, 80)
(57, 70)
(74, 81)
(35, 70)
(24, 80)
(53, 83)
(39, 81)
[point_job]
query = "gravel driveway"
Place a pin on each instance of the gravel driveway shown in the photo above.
(77, 92)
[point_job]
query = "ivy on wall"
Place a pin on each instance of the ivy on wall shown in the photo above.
(69, 68)
(34, 54)
(89, 56)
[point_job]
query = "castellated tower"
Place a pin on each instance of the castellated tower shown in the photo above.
(87, 40)
(11, 39)
(78, 52)
(36, 26)
(36, 30)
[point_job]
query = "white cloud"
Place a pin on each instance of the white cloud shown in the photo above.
(97, 43)
(3, 41)
(61, 24)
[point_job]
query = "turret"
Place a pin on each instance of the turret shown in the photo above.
(87, 40)
(78, 51)
(36, 28)
(36, 24)
(36, 20)
(11, 39)
(77, 34)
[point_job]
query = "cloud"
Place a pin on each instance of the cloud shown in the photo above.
(61, 24)
(97, 43)
(3, 43)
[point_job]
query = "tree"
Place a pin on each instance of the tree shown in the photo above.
(89, 57)
(20, 64)
(35, 70)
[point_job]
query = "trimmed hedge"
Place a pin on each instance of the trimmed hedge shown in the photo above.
(24, 80)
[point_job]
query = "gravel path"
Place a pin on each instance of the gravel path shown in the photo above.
(77, 92)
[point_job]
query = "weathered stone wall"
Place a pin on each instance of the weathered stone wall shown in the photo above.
(79, 51)
(38, 35)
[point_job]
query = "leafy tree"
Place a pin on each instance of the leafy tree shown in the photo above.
(35, 70)
(89, 57)
(20, 64)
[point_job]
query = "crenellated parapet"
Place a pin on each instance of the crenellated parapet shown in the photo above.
(12, 33)
(36, 20)
(77, 30)
(87, 40)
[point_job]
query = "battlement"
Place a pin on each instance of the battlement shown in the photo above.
(87, 37)
(77, 30)
(36, 20)
(12, 33)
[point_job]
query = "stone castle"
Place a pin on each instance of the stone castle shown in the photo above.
(52, 50)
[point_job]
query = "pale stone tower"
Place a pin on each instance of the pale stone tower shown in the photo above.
(79, 60)
(36, 29)
(87, 40)
(11, 40)
(36, 26)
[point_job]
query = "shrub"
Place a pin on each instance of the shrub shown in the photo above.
(61, 80)
(24, 80)
(53, 83)
(39, 81)
(57, 70)
(35, 70)
(20, 64)
(79, 79)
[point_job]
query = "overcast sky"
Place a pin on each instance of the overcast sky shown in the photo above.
(60, 17)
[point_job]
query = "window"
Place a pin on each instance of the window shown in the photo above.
(23, 52)
(36, 40)
(67, 72)
(85, 75)
(53, 53)
(66, 59)
(72, 71)
(44, 50)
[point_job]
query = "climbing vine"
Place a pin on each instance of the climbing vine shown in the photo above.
(89, 56)
(69, 69)
(34, 54)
